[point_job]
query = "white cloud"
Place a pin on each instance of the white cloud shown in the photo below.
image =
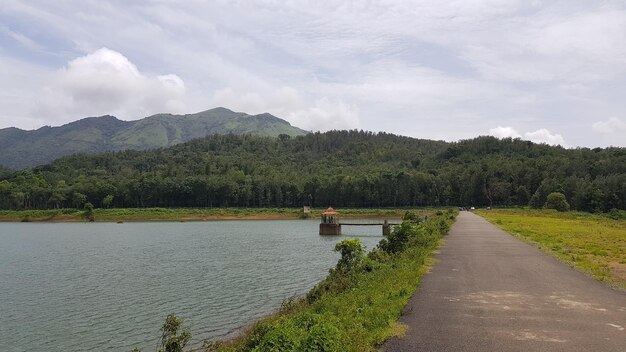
(286, 102)
(610, 126)
(545, 136)
(326, 115)
(429, 69)
(539, 136)
(106, 82)
(23, 40)
(504, 132)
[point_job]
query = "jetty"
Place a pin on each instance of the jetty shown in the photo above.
(330, 224)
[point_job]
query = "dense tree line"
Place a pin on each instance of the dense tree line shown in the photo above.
(338, 168)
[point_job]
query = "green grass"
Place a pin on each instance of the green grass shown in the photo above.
(355, 311)
(190, 214)
(595, 244)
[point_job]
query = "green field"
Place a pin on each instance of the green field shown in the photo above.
(189, 214)
(595, 244)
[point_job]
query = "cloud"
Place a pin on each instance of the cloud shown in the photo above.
(325, 115)
(286, 102)
(539, 136)
(610, 126)
(23, 40)
(545, 136)
(106, 82)
(428, 69)
(504, 132)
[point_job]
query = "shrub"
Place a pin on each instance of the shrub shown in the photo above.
(283, 337)
(88, 213)
(323, 337)
(617, 214)
(398, 238)
(171, 339)
(343, 276)
(351, 254)
(257, 334)
(410, 216)
(556, 201)
(535, 201)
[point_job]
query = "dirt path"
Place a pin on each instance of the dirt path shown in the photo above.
(492, 292)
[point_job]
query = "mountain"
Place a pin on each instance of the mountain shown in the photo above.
(21, 149)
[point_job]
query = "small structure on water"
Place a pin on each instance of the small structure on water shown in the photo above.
(330, 224)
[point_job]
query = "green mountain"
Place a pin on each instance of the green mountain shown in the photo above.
(21, 149)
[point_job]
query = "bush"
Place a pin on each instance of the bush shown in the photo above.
(280, 338)
(171, 339)
(398, 238)
(257, 334)
(88, 213)
(556, 201)
(343, 276)
(617, 214)
(351, 254)
(410, 216)
(323, 337)
(535, 201)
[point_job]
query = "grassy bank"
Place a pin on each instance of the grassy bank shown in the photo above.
(186, 214)
(595, 244)
(355, 308)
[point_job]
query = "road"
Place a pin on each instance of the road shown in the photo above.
(491, 292)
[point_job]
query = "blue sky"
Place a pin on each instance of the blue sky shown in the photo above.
(547, 71)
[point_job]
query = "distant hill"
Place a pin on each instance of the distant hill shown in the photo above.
(343, 169)
(21, 149)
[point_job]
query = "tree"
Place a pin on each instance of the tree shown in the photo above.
(535, 201)
(171, 339)
(557, 201)
(522, 195)
(339, 168)
(107, 201)
(56, 198)
(88, 213)
(351, 254)
(79, 200)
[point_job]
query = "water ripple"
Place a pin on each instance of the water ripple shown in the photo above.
(108, 287)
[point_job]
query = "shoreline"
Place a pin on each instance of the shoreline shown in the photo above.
(191, 214)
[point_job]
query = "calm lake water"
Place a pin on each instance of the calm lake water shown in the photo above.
(108, 287)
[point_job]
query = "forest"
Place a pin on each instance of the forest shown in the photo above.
(335, 168)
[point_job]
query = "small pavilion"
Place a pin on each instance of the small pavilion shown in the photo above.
(330, 224)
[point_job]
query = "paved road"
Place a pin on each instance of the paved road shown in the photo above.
(492, 292)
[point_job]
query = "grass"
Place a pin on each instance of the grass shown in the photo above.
(353, 310)
(594, 244)
(189, 214)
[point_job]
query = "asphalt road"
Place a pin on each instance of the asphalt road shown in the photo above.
(491, 292)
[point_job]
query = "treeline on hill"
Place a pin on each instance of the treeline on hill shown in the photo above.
(339, 168)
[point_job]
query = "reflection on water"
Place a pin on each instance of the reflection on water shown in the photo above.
(108, 287)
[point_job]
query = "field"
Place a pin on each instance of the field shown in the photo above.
(594, 244)
(189, 214)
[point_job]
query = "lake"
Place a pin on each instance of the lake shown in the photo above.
(109, 287)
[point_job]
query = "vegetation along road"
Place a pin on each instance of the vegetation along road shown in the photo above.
(492, 292)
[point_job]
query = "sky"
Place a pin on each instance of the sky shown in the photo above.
(547, 71)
